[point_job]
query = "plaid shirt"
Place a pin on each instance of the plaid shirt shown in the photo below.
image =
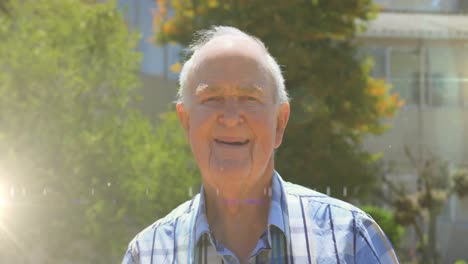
(304, 226)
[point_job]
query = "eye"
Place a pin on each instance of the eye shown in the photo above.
(212, 99)
(249, 98)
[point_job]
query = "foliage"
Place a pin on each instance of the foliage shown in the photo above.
(335, 102)
(460, 183)
(419, 210)
(387, 222)
(86, 168)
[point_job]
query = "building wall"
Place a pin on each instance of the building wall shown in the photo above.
(421, 5)
(437, 131)
(156, 59)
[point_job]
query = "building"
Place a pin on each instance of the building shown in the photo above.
(421, 48)
(159, 83)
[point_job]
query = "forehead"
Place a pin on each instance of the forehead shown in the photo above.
(231, 63)
(207, 89)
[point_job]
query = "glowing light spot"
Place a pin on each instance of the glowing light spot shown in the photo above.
(228, 44)
(3, 198)
(3, 202)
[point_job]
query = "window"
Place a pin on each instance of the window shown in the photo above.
(378, 54)
(444, 82)
(445, 78)
(404, 64)
(439, 91)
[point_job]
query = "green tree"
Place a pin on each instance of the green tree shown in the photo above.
(335, 102)
(387, 222)
(87, 170)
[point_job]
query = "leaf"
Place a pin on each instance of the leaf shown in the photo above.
(176, 67)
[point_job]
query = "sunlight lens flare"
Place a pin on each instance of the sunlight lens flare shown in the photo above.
(3, 192)
(3, 198)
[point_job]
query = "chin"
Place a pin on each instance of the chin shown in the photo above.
(230, 178)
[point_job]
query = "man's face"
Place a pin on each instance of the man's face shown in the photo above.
(232, 122)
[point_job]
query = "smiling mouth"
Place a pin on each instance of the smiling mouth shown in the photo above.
(232, 143)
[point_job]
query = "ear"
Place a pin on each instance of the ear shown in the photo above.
(281, 123)
(183, 116)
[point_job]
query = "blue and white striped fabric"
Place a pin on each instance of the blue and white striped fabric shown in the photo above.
(304, 226)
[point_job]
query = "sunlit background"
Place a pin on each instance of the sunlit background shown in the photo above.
(91, 152)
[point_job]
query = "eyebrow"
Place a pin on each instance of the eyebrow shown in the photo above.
(250, 89)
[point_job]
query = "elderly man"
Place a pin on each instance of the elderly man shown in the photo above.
(234, 108)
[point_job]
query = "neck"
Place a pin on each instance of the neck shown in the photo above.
(238, 222)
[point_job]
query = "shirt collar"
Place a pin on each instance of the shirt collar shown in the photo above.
(275, 217)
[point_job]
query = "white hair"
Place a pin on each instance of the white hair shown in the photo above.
(204, 36)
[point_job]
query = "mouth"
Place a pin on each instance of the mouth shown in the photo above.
(229, 142)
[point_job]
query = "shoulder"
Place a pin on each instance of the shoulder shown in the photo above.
(317, 202)
(325, 212)
(160, 235)
(355, 234)
(181, 211)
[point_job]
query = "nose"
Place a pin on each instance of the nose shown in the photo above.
(231, 115)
